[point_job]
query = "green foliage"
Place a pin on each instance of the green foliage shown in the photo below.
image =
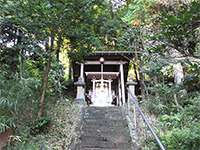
(191, 109)
(84, 26)
(155, 106)
(192, 83)
(180, 130)
(170, 121)
(179, 29)
(162, 99)
(55, 134)
(192, 80)
(16, 94)
(185, 138)
(25, 146)
(32, 68)
(8, 61)
(137, 9)
(6, 123)
(40, 125)
(56, 79)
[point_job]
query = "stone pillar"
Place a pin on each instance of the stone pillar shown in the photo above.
(178, 80)
(82, 71)
(178, 73)
(110, 87)
(80, 95)
(93, 86)
(131, 86)
(122, 83)
(119, 93)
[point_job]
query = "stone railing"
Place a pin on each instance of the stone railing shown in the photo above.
(139, 124)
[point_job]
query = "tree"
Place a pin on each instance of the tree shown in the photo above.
(45, 25)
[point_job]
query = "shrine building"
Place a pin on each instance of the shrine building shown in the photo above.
(101, 78)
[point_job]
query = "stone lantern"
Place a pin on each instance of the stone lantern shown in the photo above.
(80, 96)
(131, 86)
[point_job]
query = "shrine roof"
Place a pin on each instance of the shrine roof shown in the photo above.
(116, 55)
(111, 55)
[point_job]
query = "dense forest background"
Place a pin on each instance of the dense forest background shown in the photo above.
(36, 38)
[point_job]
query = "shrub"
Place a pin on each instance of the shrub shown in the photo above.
(16, 96)
(6, 123)
(40, 125)
(183, 139)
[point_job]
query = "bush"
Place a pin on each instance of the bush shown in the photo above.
(181, 130)
(183, 139)
(155, 106)
(170, 121)
(17, 96)
(40, 125)
(6, 123)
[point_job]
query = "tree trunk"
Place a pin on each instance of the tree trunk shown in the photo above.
(59, 44)
(111, 9)
(21, 63)
(45, 78)
(136, 73)
(142, 84)
(141, 75)
(20, 58)
(45, 84)
(155, 80)
(69, 72)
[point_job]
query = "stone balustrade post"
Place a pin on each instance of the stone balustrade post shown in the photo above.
(131, 86)
(80, 95)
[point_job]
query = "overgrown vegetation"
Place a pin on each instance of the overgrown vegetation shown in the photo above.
(35, 34)
(168, 37)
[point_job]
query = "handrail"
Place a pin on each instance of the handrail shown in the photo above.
(134, 98)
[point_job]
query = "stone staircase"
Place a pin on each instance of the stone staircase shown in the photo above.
(104, 128)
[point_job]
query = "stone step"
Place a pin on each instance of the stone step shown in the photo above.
(104, 133)
(104, 146)
(91, 123)
(105, 115)
(92, 148)
(102, 110)
(107, 137)
(104, 128)
(103, 149)
(102, 142)
(120, 147)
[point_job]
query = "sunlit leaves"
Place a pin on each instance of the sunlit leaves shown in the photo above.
(179, 28)
(138, 11)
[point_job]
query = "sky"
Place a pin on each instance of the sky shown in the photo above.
(118, 3)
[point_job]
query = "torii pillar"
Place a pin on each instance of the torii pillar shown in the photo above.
(122, 83)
